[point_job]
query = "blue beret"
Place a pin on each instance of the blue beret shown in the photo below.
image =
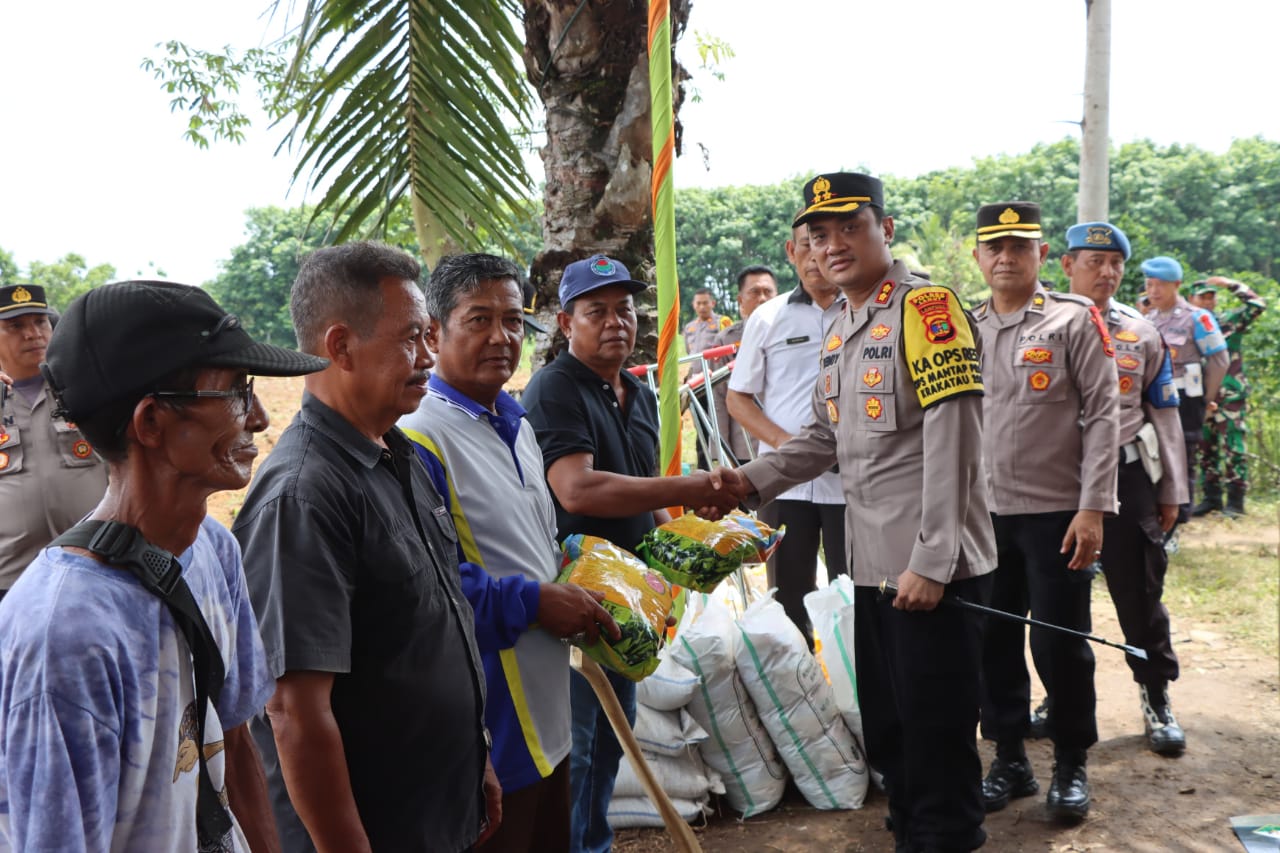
(1100, 236)
(1163, 268)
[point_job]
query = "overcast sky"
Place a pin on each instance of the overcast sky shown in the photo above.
(91, 160)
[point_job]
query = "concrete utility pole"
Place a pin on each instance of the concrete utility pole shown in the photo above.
(1095, 162)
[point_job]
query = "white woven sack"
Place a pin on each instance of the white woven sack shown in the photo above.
(631, 812)
(738, 748)
(831, 613)
(666, 732)
(685, 777)
(798, 710)
(671, 686)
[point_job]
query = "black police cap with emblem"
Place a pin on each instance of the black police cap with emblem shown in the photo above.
(19, 299)
(530, 305)
(1009, 219)
(838, 193)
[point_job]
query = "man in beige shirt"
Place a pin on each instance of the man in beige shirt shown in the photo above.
(50, 476)
(1050, 447)
(898, 405)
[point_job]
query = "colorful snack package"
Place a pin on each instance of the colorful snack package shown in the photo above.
(638, 598)
(696, 553)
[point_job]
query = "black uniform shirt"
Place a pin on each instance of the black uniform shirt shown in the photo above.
(573, 411)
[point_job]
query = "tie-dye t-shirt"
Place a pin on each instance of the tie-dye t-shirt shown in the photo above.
(97, 702)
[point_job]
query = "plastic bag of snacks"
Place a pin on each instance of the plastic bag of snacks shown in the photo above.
(638, 598)
(698, 554)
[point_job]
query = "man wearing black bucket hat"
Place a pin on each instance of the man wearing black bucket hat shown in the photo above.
(49, 475)
(898, 404)
(119, 639)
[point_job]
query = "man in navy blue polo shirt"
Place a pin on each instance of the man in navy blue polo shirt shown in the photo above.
(597, 426)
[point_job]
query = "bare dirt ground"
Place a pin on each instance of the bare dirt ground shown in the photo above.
(1226, 699)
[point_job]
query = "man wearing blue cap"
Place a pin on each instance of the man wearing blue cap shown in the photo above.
(597, 426)
(1199, 352)
(1149, 486)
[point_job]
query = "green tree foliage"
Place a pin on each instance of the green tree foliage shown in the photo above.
(254, 282)
(8, 268)
(390, 100)
(720, 231)
(1217, 214)
(63, 280)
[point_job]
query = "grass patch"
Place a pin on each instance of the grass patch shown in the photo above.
(1227, 572)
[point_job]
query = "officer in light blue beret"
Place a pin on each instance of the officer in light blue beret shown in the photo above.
(1199, 353)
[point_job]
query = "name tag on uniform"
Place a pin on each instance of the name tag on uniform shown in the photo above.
(800, 340)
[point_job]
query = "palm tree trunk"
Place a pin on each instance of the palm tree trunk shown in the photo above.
(587, 59)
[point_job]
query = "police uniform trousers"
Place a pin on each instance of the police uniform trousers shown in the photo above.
(1134, 562)
(1033, 576)
(918, 690)
(792, 568)
(1191, 411)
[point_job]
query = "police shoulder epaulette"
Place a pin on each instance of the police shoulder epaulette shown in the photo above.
(1070, 297)
(1127, 310)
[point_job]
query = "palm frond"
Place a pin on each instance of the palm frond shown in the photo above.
(418, 96)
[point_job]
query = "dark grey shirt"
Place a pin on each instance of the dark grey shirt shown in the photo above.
(351, 560)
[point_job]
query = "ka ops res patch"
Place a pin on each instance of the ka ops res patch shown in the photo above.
(939, 346)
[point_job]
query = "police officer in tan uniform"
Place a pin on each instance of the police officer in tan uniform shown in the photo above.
(1050, 446)
(899, 407)
(50, 476)
(1151, 488)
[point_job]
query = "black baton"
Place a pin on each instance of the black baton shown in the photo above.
(889, 590)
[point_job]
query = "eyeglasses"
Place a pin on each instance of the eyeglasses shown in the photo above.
(244, 394)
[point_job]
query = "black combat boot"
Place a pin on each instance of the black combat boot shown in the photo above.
(1068, 797)
(1235, 501)
(1039, 727)
(1164, 735)
(1212, 501)
(1008, 778)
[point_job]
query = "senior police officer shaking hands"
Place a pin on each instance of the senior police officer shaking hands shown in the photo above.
(1050, 447)
(50, 476)
(898, 405)
(1150, 483)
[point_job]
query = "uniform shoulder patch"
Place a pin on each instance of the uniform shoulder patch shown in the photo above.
(725, 322)
(939, 346)
(1108, 346)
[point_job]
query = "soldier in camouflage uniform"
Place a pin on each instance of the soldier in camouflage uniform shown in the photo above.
(1225, 428)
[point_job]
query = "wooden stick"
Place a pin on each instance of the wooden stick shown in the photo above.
(681, 832)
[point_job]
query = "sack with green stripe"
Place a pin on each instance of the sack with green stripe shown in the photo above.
(738, 748)
(798, 709)
(831, 613)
